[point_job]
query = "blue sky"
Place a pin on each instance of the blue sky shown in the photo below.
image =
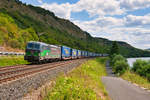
(122, 20)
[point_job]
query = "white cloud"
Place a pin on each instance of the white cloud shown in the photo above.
(40, 1)
(62, 10)
(142, 21)
(93, 7)
(134, 4)
(117, 30)
(98, 7)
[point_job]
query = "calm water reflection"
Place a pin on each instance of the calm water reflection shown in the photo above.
(132, 60)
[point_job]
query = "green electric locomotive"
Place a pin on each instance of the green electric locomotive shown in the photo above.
(41, 52)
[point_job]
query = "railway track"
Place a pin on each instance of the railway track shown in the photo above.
(11, 73)
(14, 69)
(20, 67)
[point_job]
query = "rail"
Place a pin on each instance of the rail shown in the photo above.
(11, 53)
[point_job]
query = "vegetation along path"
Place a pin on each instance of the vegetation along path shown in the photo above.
(119, 89)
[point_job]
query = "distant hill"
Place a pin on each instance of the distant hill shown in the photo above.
(20, 23)
(148, 49)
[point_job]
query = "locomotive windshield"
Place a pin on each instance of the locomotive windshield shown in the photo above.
(33, 46)
(36, 46)
(30, 46)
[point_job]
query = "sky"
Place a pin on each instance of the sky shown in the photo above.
(121, 20)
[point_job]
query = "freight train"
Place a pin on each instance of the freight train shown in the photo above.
(42, 52)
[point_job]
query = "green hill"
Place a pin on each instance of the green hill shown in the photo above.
(148, 49)
(20, 23)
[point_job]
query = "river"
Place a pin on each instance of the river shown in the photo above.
(132, 60)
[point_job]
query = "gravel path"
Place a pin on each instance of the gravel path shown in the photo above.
(119, 89)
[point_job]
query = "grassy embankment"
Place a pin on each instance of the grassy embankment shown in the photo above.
(12, 60)
(139, 73)
(84, 83)
(137, 79)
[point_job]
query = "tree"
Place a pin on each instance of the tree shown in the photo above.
(114, 49)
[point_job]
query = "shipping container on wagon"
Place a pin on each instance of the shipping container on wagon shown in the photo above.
(91, 54)
(78, 53)
(100, 55)
(74, 53)
(86, 53)
(95, 55)
(82, 54)
(66, 52)
(55, 52)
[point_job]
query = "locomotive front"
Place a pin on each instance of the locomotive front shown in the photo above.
(33, 50)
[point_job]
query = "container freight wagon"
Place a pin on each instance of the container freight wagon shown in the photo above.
(66, 52)
(83, 54)
(100, 55)
(90, 54)
(55, 52)
(74, 53)
(79, 53)
(86, 53)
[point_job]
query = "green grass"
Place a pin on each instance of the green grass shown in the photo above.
(12, 60)
(84, 83)
(134, 78)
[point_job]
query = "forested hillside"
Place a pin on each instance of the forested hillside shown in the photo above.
(20, 23)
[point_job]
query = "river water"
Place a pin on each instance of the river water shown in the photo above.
(132, 60)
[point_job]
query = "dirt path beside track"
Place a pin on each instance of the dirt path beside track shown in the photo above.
(119, 89)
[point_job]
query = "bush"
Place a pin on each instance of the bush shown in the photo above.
(148, 76)
(117, 58)
(137, 66)
(120, 67)
(119, 64)
(145, 70)
(142, 68)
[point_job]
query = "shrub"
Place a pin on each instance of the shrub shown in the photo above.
(146, 69)
(117, 58)
(111, 58)
(142, 68)
(120, 67)
(14, 43)
(137, 66)
(148, 76)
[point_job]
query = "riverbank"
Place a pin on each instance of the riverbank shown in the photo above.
(121, 89)
(136, 79)
(132, 60)
(12, 61)
(139, 73)
(82, 83)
